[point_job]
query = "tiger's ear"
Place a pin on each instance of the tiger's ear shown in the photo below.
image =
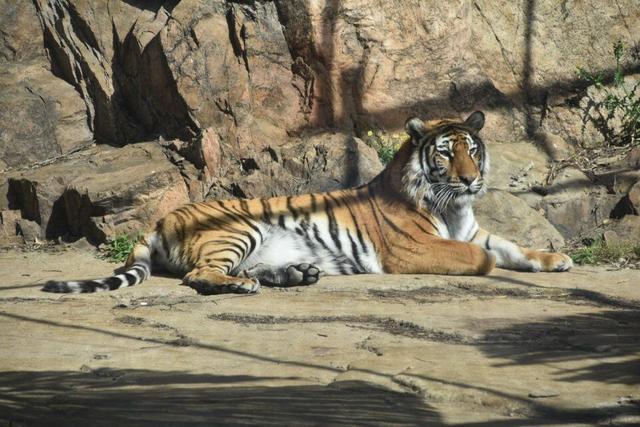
(415, 128)
(475, 121)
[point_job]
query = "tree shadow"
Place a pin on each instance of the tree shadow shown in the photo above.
(107, 396)
(537, 412)
(137, 397)
(608, 342)
(345, 109)
(576, 294)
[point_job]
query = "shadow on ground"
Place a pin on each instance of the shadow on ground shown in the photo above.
(610, 339)
(144, 397)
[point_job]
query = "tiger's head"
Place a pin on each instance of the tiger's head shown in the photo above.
(448, 162)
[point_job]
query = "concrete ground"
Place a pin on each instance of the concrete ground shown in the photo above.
(509, 349)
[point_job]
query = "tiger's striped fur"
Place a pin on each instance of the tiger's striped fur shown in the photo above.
(415, 217)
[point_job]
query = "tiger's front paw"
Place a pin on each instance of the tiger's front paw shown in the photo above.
(550, 261)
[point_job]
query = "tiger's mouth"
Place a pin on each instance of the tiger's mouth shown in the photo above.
(474, 188)
(444, 194)
(461, 188)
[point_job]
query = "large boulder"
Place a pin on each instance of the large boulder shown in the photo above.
(576, 206)
(100, 192)
(517, 167)
(510, 217)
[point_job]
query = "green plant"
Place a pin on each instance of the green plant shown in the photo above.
(386, 145)
(600, 252)
(118, 249)
(620, 100)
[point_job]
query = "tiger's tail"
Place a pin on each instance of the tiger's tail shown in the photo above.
(138, 269)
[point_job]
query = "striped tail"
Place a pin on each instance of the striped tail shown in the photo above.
(138, 270)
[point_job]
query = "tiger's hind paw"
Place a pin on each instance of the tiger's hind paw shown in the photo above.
(236, 286)
(302, 274)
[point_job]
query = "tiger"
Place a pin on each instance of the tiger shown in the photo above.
(415, 217)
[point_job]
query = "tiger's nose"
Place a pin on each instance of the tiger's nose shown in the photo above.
(466, 179)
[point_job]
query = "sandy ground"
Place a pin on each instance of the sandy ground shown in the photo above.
(510, 349)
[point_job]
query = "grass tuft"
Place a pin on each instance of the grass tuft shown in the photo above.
(600, 252)
(386, 145)
(117, 250)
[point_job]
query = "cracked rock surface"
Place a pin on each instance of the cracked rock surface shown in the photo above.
(508, 349)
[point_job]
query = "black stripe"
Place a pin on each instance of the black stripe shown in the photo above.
(397, 229)
(131, 279)
(266, 211)
(244, 206)
(182, 222)
(293, 210)
(223, 225)
(474, 234)
(91, 286)
(362, 243)
(182, 231)
(236, 252)
(165, 243)
(424, 230)
(113, 282)
(486, 243)
(225, 260)
(243, 249)
(236, 217)
(357, 227)
(426, 218)
(375, 206)
(334, 230)
(281, 221)
(335, 199)
(143, 270)
(356, 253)
(316, 234)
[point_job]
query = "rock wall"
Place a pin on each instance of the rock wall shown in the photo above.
(251, 98)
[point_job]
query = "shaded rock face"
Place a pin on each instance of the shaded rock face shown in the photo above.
(259, 98)
(40, 116)
(324, 162)
(99, 192)
(176, 68)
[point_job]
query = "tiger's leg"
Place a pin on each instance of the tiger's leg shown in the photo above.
(513, 257)
(215, 255)
(441, 256)
(291, 275)
(208, 280)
